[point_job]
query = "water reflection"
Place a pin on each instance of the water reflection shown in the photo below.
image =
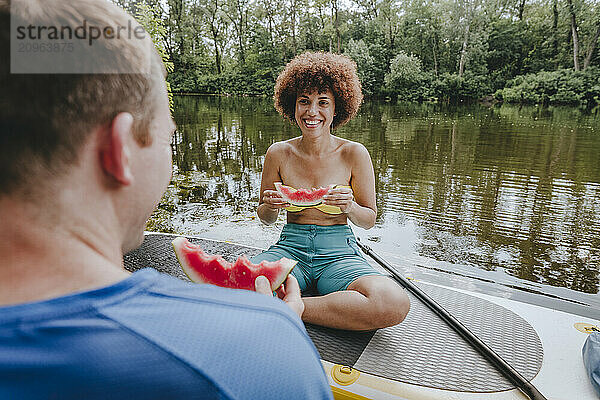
(504, 189)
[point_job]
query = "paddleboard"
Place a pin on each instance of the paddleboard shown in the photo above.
(422, 358)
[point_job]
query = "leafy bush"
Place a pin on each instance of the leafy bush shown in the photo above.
(239, 83)
(565, 86)
(405, 78)
(407, 82)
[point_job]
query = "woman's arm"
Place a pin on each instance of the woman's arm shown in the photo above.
(358, 203)
(270, 200)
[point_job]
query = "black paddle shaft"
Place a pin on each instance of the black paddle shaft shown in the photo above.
(501, 365)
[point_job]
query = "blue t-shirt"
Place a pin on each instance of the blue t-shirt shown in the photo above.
(153, 336)
(591, 359)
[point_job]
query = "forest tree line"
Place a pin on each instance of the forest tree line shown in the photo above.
(527, 51)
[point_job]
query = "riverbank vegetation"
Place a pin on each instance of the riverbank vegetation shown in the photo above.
(523, 51)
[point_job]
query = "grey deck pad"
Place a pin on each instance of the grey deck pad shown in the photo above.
(422, 350)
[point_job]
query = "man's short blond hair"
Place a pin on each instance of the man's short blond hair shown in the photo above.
(46, 118)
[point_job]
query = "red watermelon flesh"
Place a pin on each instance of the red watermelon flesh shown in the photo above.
(215, 270)
(302, 197)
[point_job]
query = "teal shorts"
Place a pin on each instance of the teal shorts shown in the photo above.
(329, 258)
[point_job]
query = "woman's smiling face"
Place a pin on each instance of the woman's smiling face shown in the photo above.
(315, 111)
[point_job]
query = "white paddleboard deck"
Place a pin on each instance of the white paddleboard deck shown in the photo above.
(562, 375)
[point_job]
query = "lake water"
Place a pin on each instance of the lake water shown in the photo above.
(502, 200)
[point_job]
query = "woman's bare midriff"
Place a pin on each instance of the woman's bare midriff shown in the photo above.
(312, 216)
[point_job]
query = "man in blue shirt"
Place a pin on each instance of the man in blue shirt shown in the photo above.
(84, 160)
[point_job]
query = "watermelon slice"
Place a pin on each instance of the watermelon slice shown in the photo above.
(215, 270)
(302, 197)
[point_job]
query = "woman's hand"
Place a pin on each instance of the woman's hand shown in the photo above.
(273, 200)
(340, 197)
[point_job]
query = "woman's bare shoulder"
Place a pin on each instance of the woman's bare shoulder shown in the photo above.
(281, 149)
(352, 150)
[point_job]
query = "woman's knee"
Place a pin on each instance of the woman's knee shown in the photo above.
(389, 303)
(392, 305)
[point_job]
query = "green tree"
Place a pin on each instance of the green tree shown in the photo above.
(153, 24)
(367, 68)
(404, 77)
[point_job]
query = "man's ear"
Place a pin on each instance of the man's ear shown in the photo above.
(114, 155)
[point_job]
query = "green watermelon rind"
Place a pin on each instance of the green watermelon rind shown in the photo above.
(290, 264)
(187, 270)
(307, 204)
(287, 263)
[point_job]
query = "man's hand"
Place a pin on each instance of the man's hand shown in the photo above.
(289, 292)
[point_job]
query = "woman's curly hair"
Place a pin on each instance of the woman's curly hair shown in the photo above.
(321, 71)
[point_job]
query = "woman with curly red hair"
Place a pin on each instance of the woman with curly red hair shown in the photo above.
(319, 92)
